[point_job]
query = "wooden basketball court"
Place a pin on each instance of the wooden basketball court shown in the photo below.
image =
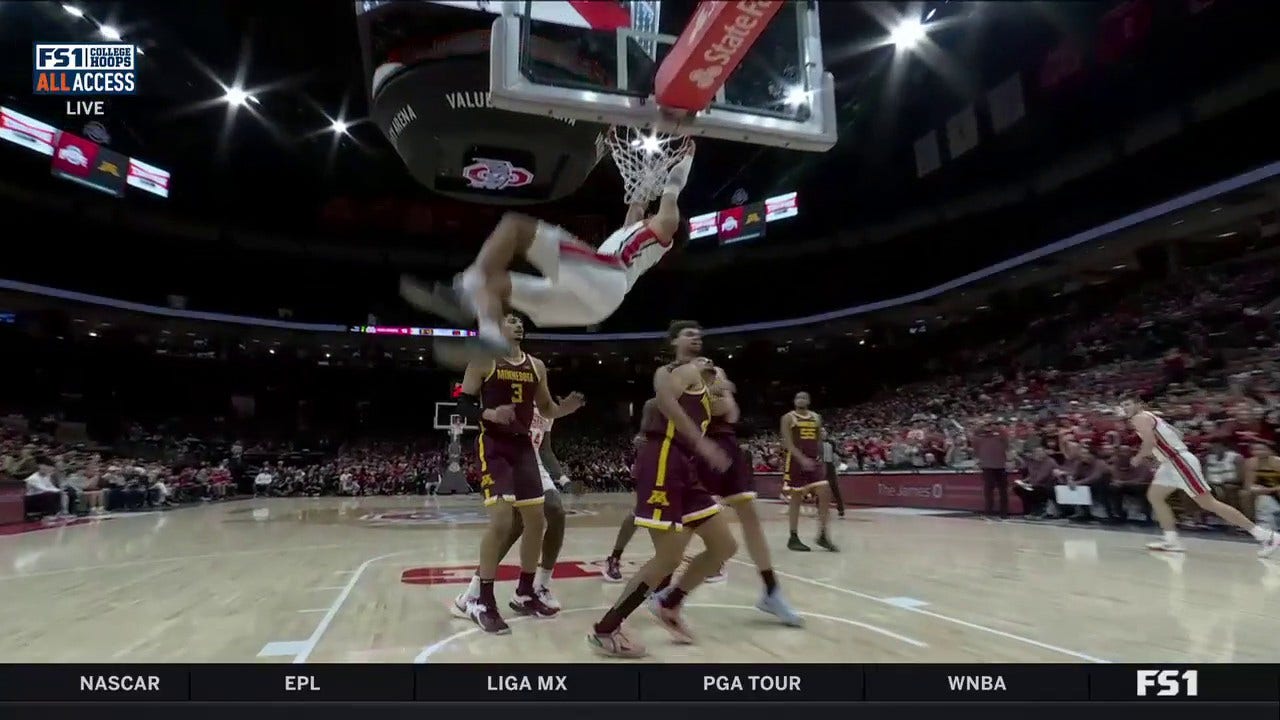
(366, 580)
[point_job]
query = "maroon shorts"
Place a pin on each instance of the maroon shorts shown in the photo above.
(668, 495)
(737, 483)
(795, 477)
(509, 470)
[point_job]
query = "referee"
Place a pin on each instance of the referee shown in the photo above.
(830, 458)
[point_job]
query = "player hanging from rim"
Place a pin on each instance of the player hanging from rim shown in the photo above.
(612, 571)
(1179, 469)
(670, 500)
(500, 395)
(553, 482)
(803, 471)
(579, 286)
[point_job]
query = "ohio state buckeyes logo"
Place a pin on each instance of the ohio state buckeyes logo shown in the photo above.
(488, 174)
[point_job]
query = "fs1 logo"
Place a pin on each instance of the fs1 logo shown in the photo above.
(1169, 683)
(85, 69)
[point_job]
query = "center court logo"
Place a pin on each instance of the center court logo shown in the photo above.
(432, 516)
(84, 69)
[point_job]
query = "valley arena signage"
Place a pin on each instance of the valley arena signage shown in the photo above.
(27, 132)
(148, 178)
(709, 50)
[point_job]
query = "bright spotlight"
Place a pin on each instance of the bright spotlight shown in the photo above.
(73, 11)
(235, 96)
(339, 127)
(795, 96)
(650, 144)
(908, 34)
(109, 32)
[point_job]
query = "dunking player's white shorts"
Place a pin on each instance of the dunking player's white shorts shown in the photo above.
(547, 482)
(1182, 470)
(580, 286)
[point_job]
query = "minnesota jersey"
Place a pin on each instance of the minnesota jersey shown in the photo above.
(540, 428)
(638, 247)
(1267, 475)
(695, 403)
(804, 435)
(512, 381)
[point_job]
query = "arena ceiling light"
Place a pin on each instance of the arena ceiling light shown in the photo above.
(110, 32)
(907, 34)
(339, 126)
(72, 10)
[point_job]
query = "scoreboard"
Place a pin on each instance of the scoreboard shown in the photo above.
(81, 160)
(743, 222)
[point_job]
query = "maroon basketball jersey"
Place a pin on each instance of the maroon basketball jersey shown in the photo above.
(804, 434)
(696, 403)
(719, 427)
(511, 382)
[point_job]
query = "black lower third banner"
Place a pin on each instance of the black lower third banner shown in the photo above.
(641, 682)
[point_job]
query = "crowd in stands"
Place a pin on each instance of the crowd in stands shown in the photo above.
(1206, 350)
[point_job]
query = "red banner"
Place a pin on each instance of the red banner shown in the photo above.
(708, 50)
(936, 490)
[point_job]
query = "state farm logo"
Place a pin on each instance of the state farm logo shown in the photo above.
(486, 174)
(733, 40)
(73, 155)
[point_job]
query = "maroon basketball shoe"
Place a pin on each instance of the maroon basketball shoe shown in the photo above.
(488, 619)
(532, 606)
(612, 570)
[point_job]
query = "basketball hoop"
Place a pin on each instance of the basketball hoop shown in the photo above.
(644, 157)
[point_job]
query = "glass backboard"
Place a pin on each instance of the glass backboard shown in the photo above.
(778, 94)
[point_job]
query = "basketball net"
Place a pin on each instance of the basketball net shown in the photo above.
(644, 158)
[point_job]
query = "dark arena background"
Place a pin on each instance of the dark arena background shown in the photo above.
(234, 467)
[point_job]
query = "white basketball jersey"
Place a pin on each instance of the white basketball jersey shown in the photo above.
(539, 429)
(1168, 439)
(638, 247)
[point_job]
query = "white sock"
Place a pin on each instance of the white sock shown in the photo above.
(542, 577)
(1171, 537)
(473, 590)
(1260, 533)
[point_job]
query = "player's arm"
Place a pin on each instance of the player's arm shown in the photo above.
(668, 386)
(635, 213)
(551, 462)
(1145, 426)
(549, 408)
(723, 403)
(666, 221)
(469, 401)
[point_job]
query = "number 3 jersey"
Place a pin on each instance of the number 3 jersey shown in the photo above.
(512, 381)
